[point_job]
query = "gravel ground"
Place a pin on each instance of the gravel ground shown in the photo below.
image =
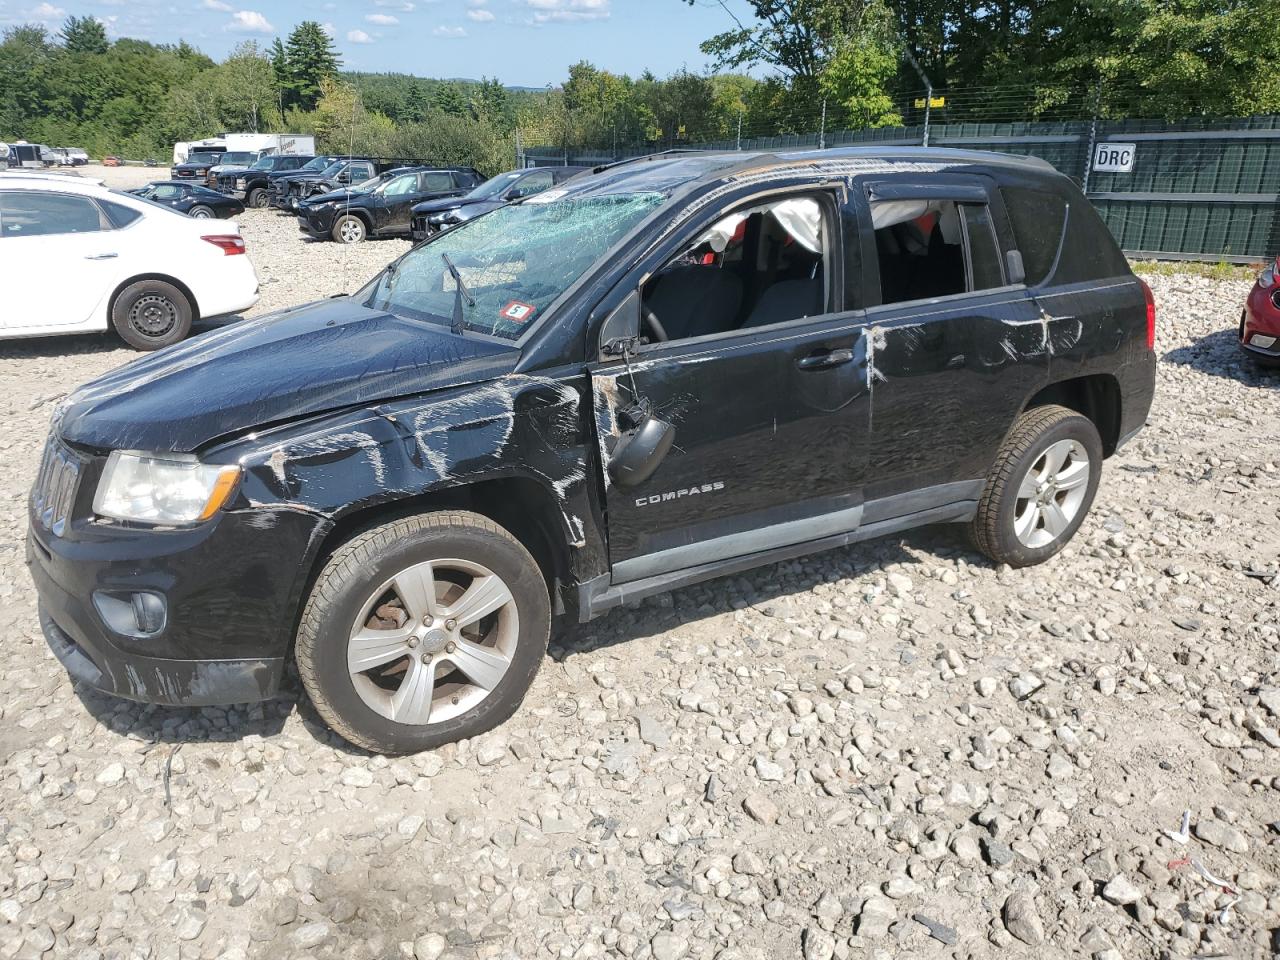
(890, 750)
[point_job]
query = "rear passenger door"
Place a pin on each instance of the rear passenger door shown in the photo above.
(956, 344)
(60, 257)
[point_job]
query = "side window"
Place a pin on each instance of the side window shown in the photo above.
(437, 182)
(985, 271)
(120, 215)
(167, 191)
(533, 183)
(47, 214)
(934, 248)
(401, 186)
(1037, 218)
(757, 266)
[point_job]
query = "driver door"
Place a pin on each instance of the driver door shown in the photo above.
(767, 391)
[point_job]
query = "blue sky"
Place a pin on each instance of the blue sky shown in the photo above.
(524, 42)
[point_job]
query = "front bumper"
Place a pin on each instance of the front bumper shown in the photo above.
(231, 585)
(317, 223)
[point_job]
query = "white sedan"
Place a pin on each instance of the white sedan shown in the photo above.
(76, 257)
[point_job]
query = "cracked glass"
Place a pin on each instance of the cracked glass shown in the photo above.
(514, 262)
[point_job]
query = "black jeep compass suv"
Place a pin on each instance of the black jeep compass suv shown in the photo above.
(664, 371)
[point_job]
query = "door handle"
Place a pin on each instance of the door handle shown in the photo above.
(102, 256)
(825, 359)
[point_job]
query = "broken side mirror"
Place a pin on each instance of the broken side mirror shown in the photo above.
(622, 326)
(1013, 267)
(641, 449)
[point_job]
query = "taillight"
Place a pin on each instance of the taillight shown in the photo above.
(1151, 314)
(231, 244)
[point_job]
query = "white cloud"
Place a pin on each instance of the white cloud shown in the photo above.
(480, 16)
(216, 5)
(358, 36)
(451, 33)
(382, 19)
(568, 11)
(404, 6)
(477, 3)
(329, 29)
(250, 21)
(46, 11)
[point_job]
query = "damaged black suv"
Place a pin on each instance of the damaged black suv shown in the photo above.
(663, 371)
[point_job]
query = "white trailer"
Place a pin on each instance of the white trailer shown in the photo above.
(270, 144)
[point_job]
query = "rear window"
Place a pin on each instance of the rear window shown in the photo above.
(1037, 219)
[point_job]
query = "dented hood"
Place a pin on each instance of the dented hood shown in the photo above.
(323, 356)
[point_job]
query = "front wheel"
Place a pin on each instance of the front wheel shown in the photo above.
(1040, 488)
(423, 631)
(151, 314)
(349, 229)
(258, 198)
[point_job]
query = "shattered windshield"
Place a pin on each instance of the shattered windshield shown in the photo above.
(264, 163)
(317, 163)
(513, 262)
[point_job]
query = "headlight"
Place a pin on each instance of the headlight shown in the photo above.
(163, 488)
(241, 181)
(1267, 277)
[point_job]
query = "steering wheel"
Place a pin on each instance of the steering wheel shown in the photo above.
(655, 326)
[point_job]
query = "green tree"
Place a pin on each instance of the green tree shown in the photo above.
(310, 59)
(83, 35)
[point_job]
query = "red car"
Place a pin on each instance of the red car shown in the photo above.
(1260, 319)
(111, 161)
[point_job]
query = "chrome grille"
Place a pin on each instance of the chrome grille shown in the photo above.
(54, 492)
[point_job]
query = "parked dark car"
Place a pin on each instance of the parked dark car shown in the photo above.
(253, 184)
(191, 199)
(380, 207)
(434, 215)
(196, 166)
(278, 183)
(679, 368)
(350, 172)
(1260, 318)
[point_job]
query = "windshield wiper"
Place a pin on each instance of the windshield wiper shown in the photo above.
(459, 291)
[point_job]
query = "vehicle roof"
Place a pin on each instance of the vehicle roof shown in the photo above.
(27, 180)
(668, 172)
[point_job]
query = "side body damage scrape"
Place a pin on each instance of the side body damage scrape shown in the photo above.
(532, 428)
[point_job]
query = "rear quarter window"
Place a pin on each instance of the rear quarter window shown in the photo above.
(1037, 217)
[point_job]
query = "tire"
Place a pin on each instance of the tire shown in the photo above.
(201, 213)
(257, 199)
(150, 314)
(359, 593)
(349, 229)
(1031, 509)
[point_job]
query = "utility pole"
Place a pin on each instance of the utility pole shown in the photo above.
(928, 93)
(1093, 137)
(822, 129)
(739, 131)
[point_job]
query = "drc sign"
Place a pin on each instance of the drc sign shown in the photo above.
(1114, 157)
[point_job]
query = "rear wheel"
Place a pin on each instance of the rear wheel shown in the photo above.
(423, 631)
(150, 314)
(1040, 488)
(349, 229)
(201, 213)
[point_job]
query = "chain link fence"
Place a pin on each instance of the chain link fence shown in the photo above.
(1196, 189)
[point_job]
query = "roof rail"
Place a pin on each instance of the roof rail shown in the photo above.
(647, 156)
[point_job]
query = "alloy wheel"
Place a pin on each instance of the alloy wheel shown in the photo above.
(433, 641)
(1051, 494)
(351, 231)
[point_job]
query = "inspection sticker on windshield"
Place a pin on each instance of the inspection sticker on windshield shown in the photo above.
(517, 312)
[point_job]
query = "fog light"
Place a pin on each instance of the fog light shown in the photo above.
(140, 614)
(1262, 340)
